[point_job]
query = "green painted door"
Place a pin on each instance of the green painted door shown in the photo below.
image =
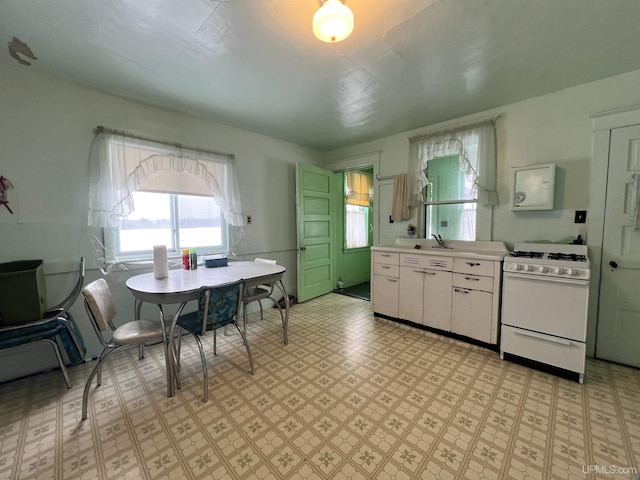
(315, 226)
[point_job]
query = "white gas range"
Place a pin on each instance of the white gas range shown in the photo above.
(545, 294)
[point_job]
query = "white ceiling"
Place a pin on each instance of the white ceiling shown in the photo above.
(255, 64)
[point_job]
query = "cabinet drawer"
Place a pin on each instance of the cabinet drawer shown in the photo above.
(386, 270)
(556, 351)
(473, 282)
(474, 266)
(388, 258)
(432, 262)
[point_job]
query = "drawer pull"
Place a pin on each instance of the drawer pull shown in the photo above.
(559, 341)
(428, 273)
(458, 290)
(385, 266)
(385, 254)
(472, 278)
(473, 264)
(394, 280)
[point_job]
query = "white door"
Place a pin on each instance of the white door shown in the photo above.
(618, 333)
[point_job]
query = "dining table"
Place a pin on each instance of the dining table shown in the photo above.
(182, 286)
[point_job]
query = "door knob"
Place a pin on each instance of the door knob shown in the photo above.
(303, 248)
(613, 264)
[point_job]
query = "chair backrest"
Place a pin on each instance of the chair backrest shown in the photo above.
(99, 305)
(265, 260)
(218, 305)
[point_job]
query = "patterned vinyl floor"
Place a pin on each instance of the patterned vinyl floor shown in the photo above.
(350, 397)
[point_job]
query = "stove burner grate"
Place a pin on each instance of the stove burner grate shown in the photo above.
(523, 254)
(573, 257)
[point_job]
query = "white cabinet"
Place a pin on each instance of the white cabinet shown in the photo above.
(471, 314)
(446, 290)
(385, 283)
(425, 290)
(475, 300)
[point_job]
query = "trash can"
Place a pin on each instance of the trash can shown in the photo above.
(23, 292)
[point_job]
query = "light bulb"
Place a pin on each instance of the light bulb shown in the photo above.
(333, 21)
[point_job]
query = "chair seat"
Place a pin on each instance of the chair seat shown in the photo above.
(190, 322)
(136, 332)
(252, 294)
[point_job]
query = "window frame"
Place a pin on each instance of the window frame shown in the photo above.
(427, 203)
(115, 254)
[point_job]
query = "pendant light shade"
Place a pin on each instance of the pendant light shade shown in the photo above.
(333, 21)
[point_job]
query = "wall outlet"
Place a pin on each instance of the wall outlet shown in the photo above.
(248, 219)
(581, 216)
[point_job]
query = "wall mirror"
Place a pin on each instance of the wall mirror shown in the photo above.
(533, 187)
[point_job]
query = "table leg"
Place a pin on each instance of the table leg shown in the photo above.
(173, 380)
(137, 307)
(285, 321)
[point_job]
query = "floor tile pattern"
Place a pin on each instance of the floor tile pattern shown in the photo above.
(350, 397)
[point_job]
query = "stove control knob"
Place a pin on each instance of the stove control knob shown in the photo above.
(528, 268)
(571, 271)
(542, 269)
(517, 266)
(558, 270)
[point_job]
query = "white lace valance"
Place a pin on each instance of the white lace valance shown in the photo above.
(120, 165)
(476, 150)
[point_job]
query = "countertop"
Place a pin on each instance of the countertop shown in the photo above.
(486, 250)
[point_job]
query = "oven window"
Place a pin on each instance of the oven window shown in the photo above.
(450, 208)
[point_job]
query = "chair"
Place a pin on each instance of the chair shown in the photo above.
(101, 310)
(56, 326)
(258, 293)
(217, 307)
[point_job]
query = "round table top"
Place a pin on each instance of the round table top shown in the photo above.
(183, 285)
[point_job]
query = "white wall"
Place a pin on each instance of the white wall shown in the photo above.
(46, 128)
(554, 128)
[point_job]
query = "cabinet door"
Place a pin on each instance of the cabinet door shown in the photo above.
(471, 314)
(437, 300)
(385, 295)
(411, 294)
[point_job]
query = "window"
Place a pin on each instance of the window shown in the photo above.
(146, 193)
(450, 206)
(453, 179)
(177, 221)
(358, 219)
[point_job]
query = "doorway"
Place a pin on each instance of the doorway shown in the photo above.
(354, 232)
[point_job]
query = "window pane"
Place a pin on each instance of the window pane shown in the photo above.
(453, 221)
(200, 222)
(149, 225)
(357, 226)
(446, 181)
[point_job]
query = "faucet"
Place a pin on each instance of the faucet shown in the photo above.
(439, 240)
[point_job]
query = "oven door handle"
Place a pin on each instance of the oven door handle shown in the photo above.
(524, 276)
(545, 338)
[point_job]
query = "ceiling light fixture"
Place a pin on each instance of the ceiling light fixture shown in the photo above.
(333, 21)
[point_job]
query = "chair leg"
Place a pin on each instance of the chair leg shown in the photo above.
(215, 352)
(261, 312)
(96, 371)
(103, 355)
(246, 344)
(205, 374)
(56, 350)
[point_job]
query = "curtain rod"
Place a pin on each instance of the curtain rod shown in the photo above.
(112, 131)
(484, 121)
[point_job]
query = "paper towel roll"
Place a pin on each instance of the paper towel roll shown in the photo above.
(160, 262)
